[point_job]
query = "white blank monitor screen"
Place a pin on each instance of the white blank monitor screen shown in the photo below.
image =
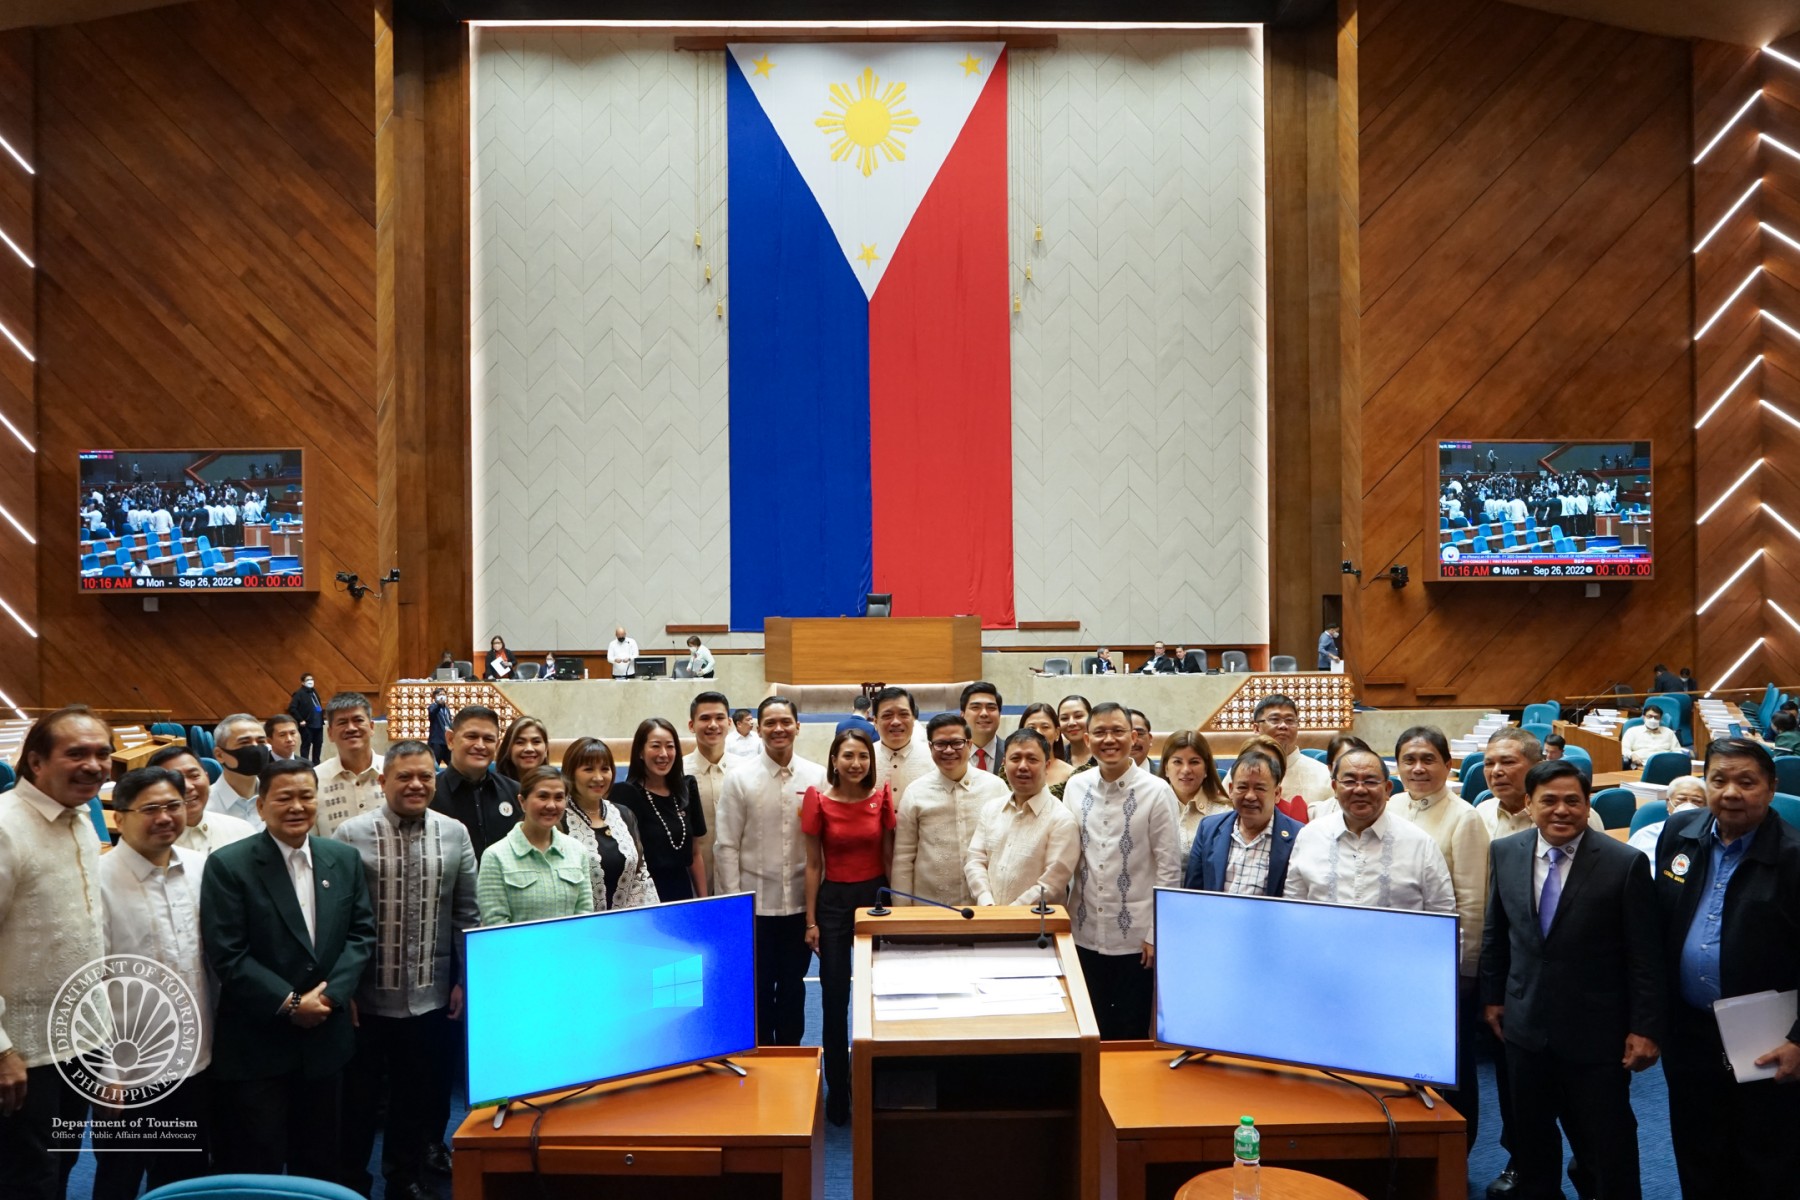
(1366, 990)
(561, 1003)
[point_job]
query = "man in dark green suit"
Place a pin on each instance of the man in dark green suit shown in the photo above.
(288, 929)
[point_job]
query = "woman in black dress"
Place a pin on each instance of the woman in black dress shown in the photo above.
(666, 804)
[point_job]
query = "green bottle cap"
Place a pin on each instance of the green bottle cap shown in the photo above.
(1245, 1121)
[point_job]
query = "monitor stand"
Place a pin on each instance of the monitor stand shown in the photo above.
(728, 1065)
(505, 1106)
(1423, 1095)
(1188, 1055)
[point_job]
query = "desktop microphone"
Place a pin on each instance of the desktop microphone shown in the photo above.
(968, 914)
(1042, 910)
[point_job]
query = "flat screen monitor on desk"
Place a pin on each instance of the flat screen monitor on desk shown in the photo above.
(1366, 990)
(568, 666)
(652, 668)
(650, 988)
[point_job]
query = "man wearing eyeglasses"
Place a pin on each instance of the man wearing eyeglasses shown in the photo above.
(1279, 717)
(152, 892)
(939, 813)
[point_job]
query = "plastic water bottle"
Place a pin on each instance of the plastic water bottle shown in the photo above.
(1246, 1161)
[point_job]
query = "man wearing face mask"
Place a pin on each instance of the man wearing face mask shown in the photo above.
(1652, 737)
(242, 748)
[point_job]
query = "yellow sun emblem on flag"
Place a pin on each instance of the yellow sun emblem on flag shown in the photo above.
(868, 121)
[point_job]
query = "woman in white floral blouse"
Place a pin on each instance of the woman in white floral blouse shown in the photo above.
(608, 832)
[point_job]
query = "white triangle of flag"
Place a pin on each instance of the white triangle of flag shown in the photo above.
(868, 124)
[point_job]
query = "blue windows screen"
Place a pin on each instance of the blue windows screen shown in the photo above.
(554, 1004)
(1366, 990)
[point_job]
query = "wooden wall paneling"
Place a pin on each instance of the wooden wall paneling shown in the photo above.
(19, 650)
(1778, 202)
(1525, 271)
(207, 278)
(423, 364)
(1349, 318)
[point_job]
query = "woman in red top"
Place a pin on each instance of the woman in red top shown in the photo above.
(849, 847)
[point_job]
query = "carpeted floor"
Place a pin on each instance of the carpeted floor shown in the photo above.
(1486, 1159)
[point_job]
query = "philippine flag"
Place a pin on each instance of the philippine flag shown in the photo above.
(870, 374)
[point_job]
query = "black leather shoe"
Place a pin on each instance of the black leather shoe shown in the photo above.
(411, 1191)
(837, 1110)
(437, 1159)
(1505, 1186)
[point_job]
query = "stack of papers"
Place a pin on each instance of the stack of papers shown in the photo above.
(917, 983)
(1478, 737)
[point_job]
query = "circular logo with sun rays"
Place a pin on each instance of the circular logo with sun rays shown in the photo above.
(124, 1030)
(867, 121)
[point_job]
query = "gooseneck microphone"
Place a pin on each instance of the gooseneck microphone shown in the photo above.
(968, 914)
(1042, 910)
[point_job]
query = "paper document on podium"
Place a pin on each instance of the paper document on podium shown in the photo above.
(1751, 1026)
(939, 970)
(937, 1008)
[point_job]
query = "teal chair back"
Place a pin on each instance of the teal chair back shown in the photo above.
(251, 1187)
(1475, 782)
(213, 768)
(1315, 755)
(1537, 729)
(1470, 765)
(1649, 813)
(1787, 774)
(1667, 766)
(1787, 807)
(1538, 714)
(1671, 711)
(97, 814)
(1616, 807)
(1579, 752)
(8, 780)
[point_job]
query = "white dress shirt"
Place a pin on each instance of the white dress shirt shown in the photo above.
(1462, 838)
(936, 822)
(700, 662)
(344, 793)
(1307, 778)
(759, 847)
(1130, 845)
(1540, 866)
(708, 778)
(899, 768)
(622, 653)
(300, 871)
(227, 799)
(154, 912)
(216, 829)
(1391, 864)
(1020, 845)
(740, 746)
(51, 914)
(1639, 743)
(1501, 823)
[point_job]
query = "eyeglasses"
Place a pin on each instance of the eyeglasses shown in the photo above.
(1280, 722)
(157, 810)
(949, 747)
(1110, 735)
(1367, 785)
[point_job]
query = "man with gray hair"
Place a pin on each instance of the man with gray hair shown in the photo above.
(420, 868)
(241, 747)
(350, 780)
(1511, 752)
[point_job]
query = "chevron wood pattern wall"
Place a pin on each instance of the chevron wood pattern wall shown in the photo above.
(1140, 431)
(599, 370)
(18, 390)
(1525, 206)
(205, 223)
(1747, 228)
(599, 374)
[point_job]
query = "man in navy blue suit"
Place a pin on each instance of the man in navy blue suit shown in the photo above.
(1245, 851)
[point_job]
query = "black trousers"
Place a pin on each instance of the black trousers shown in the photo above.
(1466, 1099)
(1731, 1139)
(1483, 1041)
(409, 1059)
(1123, 992)
(311, 738)
(781, 959)
(286, 1121)
(36, 1153)
(836, 910)
(1593, 1102)
(166, 1155)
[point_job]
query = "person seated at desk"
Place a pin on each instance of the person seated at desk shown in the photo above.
(1685, 792)
(500, 663)
(1786, 728)
(1246, 851)
(1042, 718)
(536, 871)
(1103, 663)
(1159, 662)
(1652, 737)
(1553, 747)
(1188, 768)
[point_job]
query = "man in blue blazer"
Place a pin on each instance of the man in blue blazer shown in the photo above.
(287, 927)
(1256, 835)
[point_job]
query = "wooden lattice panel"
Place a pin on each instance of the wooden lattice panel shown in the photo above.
(1324, 701)
(409, 703)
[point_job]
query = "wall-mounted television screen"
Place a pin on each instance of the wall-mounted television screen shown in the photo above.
(632, 990)
(1542, 510)
(1244, 975)
(192, 521)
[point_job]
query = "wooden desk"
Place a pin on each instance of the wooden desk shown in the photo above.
(868, 650)
(1603, 750)
(680, 1133)
(140, 754)
(1162, 1127)
(1274, 1183)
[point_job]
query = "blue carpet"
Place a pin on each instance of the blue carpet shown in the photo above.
(1486, 1160)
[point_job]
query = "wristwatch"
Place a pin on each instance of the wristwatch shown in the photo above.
(289, 1005)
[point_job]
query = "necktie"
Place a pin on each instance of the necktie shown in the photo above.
(301, 870)
(1552, 893)
(981, 758)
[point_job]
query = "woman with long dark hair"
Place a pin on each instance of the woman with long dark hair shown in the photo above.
(667, 807)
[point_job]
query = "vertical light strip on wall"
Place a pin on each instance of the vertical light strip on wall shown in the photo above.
(1732, 669)
(1726, 394)
(1741, 480)
(1726, 586)
(14, 429)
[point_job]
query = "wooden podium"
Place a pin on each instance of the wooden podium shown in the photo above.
(989, 1105)
(853, 650)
